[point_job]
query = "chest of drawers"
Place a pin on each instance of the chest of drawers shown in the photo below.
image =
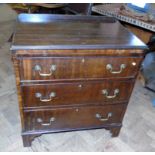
(73, 72)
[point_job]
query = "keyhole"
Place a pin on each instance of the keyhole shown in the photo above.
(83, 60)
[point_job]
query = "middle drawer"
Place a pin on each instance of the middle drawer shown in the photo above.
(92, 92)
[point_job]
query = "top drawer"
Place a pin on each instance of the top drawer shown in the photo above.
(53, 68)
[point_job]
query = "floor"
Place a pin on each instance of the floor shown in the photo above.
(137, 133)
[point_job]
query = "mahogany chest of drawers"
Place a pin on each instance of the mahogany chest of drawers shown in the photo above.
(73, 72)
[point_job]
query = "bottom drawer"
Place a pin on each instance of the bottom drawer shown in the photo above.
(73, 118)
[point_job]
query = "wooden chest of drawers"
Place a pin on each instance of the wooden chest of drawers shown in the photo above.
(73, 72)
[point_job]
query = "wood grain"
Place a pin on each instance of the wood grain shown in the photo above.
(17, 76)
(77, 67)
(80, 47)
(77, 93)
(73, 52)
(68, 32)
(72, 118)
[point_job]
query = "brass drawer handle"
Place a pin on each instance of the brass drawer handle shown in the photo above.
(39, 120)
(38, 68)
(110, 67)
(105, 92)
(42, 99)
(101, 118)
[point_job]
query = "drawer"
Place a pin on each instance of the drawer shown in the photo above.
(59, 68)
(92, 92)
(73, 118)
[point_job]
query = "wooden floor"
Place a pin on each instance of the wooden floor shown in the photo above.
(137, 133)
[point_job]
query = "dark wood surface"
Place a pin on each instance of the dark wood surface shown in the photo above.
(20, 54)
(80, 76)
(35, 31)
(78, 67)
(77, 93)
(73, 117)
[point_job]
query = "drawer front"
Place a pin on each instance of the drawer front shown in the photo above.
(73, 118)
(58, 68)
(103, 92)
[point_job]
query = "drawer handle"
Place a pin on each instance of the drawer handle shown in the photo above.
(38, 68)
(101, 118)
(39, 120)
(105, 92)
(42, 99)
(110, 67)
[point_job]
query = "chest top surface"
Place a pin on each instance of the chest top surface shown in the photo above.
(42, 31)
